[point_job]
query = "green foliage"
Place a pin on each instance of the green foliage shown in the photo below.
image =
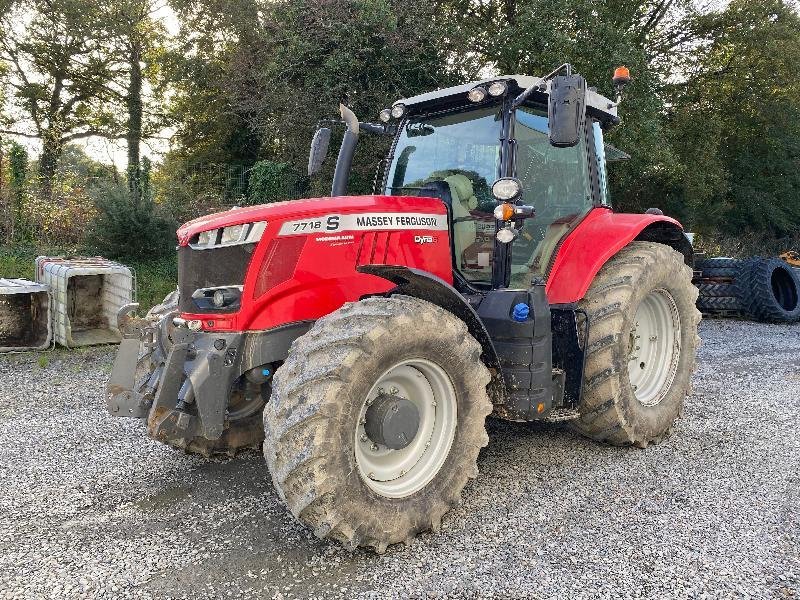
(18, 171)
(128, 228)
(736, 122)
(155, 278)
(273, 181)
(18, 165)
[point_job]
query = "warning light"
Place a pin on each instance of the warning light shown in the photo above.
(622, 75)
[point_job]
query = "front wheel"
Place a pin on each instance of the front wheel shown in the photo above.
(376, 420)
(641, 348)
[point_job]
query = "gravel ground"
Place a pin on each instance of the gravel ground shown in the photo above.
(90, 507)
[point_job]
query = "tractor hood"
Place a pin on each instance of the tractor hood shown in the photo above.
(310, 207)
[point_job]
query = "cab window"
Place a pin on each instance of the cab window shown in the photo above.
(556, 182)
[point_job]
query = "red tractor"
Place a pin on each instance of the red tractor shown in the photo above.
(363, 340)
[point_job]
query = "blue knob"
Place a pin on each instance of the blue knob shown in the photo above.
(521, 312)
(265, 372)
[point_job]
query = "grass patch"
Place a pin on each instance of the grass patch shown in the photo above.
(154, 278)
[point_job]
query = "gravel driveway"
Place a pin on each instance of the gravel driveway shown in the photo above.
(90, 507)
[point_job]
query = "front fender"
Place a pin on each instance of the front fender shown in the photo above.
(598, 237)
(426, 286)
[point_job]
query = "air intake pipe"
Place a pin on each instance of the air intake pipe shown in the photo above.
(345, 159)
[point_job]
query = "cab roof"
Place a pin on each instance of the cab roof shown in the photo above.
(597, 105)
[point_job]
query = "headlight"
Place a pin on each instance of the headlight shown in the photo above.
(506, 235)
(207, 238)
(217, 298)
(506, 189)
(385, 115)
(232, 235)
(398, 110)
(476, 94)
(498, 88)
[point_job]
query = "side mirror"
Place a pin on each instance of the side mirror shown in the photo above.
(319, 150)
(566, 111)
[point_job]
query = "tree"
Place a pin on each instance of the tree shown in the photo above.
(18, 170)
(309, 56)
(59, 68)
(136, 44)
(737, 113)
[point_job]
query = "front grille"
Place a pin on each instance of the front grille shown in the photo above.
(213, 267)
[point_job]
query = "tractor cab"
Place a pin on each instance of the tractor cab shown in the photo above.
(488, 147)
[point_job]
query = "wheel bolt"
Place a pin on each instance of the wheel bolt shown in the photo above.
(369, 401)
(433, 403)
(394, 391)
(371, 475)
(374, 447)
(380, 390)
(363, 438)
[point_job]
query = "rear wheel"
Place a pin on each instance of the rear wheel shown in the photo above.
(641, 348)
(376, 420)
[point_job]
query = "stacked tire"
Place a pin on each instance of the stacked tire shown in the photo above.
(757, 288)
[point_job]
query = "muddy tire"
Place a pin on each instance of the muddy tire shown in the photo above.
(634, 387)
(316, 445)
(240, 434)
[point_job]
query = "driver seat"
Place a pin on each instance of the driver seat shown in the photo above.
(463, 200)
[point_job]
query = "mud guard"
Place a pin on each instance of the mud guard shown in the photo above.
(423, 285)
(598, 237)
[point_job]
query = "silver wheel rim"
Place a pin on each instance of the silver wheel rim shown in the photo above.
(400, 473)
(655, 347)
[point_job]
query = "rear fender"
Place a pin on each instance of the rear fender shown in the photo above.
(422, 285)
(597, 238)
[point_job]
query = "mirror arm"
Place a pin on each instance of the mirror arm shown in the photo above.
(540, 86)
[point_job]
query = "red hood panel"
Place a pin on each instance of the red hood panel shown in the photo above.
(279, 211)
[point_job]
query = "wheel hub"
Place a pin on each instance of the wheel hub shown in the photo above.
(392, 421)
(654, 347)
(398, 452)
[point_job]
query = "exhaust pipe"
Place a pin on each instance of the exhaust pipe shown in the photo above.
(345, 159)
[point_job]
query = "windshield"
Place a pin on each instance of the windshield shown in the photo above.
(556, 182)
(462, 151)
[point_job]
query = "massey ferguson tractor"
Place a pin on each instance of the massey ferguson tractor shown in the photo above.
(364, 340)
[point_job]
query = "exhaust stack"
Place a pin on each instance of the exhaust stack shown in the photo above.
(345, 159)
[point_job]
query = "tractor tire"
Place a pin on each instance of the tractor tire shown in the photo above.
(642, 298)
(716, 290)
(712, 305)
(333, 475)
(769, 290)
(247, 432)
(719, 267)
